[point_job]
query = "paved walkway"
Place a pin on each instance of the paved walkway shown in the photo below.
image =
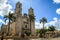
(47, 39)
(42, 39)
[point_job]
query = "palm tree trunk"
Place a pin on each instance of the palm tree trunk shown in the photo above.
(9, 26)
(43, 26)
(43, 29)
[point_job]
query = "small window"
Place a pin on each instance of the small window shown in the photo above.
(25, 26)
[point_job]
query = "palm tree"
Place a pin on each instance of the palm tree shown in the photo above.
(41, 31)
(31, 18)
(51, 28)
(27, 33)
(43, 21)
(11, 18)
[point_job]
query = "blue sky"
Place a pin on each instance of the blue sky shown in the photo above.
(42, 8)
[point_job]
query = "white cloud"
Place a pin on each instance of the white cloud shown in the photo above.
(40, 25)
(4, 7)
(2, 21)
(7, 21)
(56, 1)
(55, 19)
(58, 11)
(3, 1)
(55, 22)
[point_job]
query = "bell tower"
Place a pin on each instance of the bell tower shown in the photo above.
(18, 21)
(32, 22)
(30, 11)
(18, 9)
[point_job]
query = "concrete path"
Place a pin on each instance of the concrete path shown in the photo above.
(47, 39)
(41, 39)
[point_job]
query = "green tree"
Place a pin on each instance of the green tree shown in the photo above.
(43, 21)
(42, 31)
(51, 28)
(27, 33)
(31, 18)
(37, 31)
(11, 19)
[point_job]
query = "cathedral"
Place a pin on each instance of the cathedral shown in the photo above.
(22, 23)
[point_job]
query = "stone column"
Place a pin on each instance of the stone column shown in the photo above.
(33, 28)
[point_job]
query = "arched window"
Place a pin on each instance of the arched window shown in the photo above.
(25, 26)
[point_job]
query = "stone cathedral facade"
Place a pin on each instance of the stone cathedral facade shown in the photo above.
(22, 23)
